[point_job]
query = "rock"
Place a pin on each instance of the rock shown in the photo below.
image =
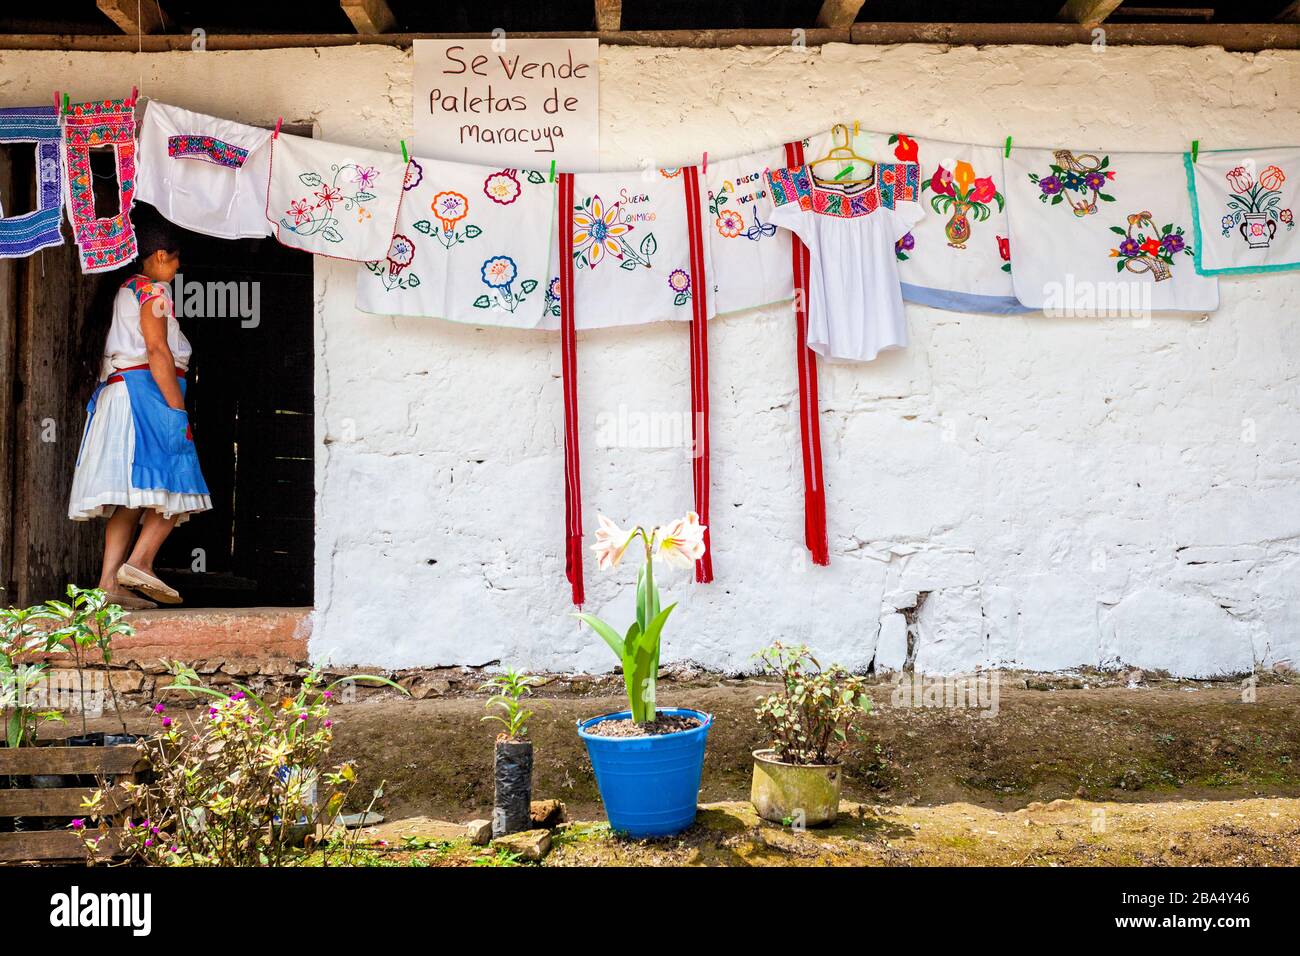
(127, 681)
(547, 813)
(419, 828)
(529, 844)
(479, 832)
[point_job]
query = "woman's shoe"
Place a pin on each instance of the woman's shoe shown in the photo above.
(147, 584)
(130, 602)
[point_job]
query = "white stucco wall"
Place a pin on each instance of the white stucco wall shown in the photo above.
(1065, 492)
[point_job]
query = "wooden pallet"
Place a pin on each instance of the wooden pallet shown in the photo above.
(124, 763)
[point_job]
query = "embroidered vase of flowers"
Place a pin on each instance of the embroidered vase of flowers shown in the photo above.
(962, 195)
(1146, 249)
(1254, 208)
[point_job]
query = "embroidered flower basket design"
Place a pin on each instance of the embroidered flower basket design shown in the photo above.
(1254, 209)
(320, 213)
(1146, 249)
(1072, 178)
(961, 195)
(599, 233)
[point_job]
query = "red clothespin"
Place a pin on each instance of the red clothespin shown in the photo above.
(56, 101)
(278, 122)
(704, 164)
(135, 95)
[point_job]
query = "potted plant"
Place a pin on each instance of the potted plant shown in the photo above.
(647, 761)
(808, 720)
(513, 756)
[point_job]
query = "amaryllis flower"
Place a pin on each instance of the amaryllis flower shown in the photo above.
(327, 196)
(1050, 185)
(502, 187)
(679, 280)
(401, 252)
(1239, 179)
(1272, 178)
(450, 208)
(414, 175)
(597, 231)
(1004, 247)
(682, 543)
(1129, 247)
(905, 148)
(611, 543)
(300, 209)
(941, 182)
(365, 176)
(730, 223)
(1172, 244)
(985, 191)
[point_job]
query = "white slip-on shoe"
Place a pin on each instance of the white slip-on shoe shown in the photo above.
(147, 584)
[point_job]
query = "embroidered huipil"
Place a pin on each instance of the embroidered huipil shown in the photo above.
(105, 242)
(22, 235)
(855, 307)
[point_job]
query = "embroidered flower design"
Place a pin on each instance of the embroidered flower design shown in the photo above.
(1050, 185)
(1287, 218)
(597, 231)
(1172, 243)
(401, 253)
(905, 148)
(499, 272)
(679, 280)
(730, 223)
(300, 210)
(450, 208)
(1146, 249)
(1272, 178)
(1004, 250)
(553, 297)
(1255, 207)
(903, 246)
(365, 176)
(327, 196)
(1080, 174)
(414, 175)
(1239, 179)
(502, 188)
(670, 172)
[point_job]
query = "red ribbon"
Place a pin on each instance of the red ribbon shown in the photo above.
(814, 491)
(569, 371)
(699, 368)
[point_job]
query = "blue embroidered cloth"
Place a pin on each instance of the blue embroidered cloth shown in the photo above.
(20, 236)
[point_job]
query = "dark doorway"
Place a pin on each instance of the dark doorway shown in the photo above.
(246, 307)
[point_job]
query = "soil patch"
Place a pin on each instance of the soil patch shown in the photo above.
(626, 727)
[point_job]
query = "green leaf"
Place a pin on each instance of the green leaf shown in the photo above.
(628, 264)
(332, 234)
(1105, 197)
(309, 179)
(412, 281)
(1117, 229)
(1057, 199)
(680, 298)
(482, 302)
(528, 285)
(473, 232)
(649, 245)
(363, 197)
(610, 635)
(535, 177)
(423, 225)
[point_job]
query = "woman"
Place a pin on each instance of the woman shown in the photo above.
(137, 462)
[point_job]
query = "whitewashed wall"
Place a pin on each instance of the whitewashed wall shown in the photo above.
(1066, 492)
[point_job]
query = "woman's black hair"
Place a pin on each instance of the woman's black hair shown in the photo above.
(153, 232)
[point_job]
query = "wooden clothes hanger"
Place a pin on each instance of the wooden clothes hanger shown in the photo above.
(842, 153)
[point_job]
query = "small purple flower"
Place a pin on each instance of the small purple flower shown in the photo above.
(906, 244)
(148, 842)
(1172, 244)
(78, 823)
(302, 716)
(329, 724)
(237, 695)
(158, 708)
(327, 695)
(1129, 247)
(1095, 180)
(166, 721)
(1050, 185)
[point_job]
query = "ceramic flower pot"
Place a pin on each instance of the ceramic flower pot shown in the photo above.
(649, 785)
(957, 228)
(795, 792)
(1257, 229)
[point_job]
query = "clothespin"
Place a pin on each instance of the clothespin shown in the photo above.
(552, 170)
(844, 172)
(406, 157)
(704, 163)
(278, 122)
(67, 106)
(1007, 153)
(56, 101)
(856, 127)
(135, 95)
(1196, 149)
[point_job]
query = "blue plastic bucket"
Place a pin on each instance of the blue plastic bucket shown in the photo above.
(650, 785)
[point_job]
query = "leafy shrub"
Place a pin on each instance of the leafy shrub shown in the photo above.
(810, 718)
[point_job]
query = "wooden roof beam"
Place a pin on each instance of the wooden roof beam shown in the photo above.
(839, 14)
(609, 16)
(369, 16)
(1088, 11)
(124, 13)
(1291, 14)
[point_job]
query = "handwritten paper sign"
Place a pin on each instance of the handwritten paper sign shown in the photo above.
(508, 102)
